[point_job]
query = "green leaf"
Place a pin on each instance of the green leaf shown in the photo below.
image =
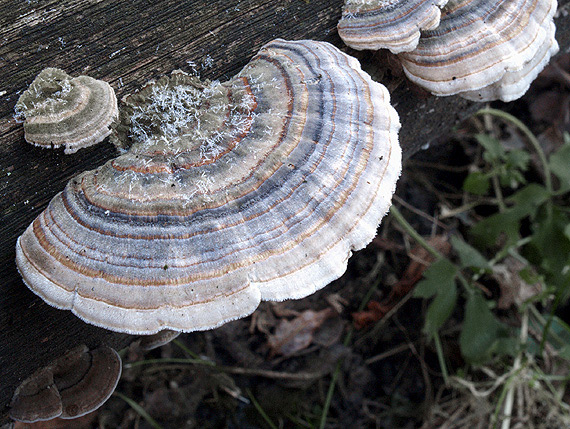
(477, 183)
(560, 166)
(518, 159)
(487, 232)
(561, 331)
(439, 281)
(440, 309)
(528, 200)
(439, 273)
(549, 248)
(468, 255)
(525, 202)
(481, 330)
(494, 150)
(529, 275)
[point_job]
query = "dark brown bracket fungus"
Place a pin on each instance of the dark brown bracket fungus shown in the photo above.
(71, 386)
(150, 342)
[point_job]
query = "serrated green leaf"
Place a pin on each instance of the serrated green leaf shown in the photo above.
(439, 281)
(440, 308)
(481, 330)
(494, 150)
(468, 255)
(511, 178)
(486, 232)
(528, 200)
(560, 165)
(477, 183)
(525, 202)
(550, 248)
(518, 159)
(437, 274)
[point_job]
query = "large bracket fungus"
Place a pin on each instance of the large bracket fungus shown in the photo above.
(71, 386)
(63, 111)
(484, 50)
(387, 24)
(258, 188)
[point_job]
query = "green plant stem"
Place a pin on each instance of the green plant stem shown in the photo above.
(441, 359)
(517, 365)
(190, 353)
(140, 410)
(420, 240)
(413, 233)
(546, 330)
(260, 410)
(498, 191)
(330, 393)
(533, 141)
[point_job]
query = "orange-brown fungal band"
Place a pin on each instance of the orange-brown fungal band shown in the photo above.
(258, 188)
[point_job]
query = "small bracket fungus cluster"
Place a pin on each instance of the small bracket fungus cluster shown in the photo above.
(258, 188)
(71, 386)
(482, 50)
(387, 24)
(64, 111)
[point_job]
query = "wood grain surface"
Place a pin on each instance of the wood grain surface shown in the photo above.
(126, 44)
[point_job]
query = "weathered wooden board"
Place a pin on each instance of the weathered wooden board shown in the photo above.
(126, 44)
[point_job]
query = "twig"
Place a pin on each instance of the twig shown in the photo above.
(399, 349)
(419, 212)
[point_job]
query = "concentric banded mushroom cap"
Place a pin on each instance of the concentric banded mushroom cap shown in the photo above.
(64, 111)
(478, 42)
(514, 85)
(257, 188)
(71, 386)
(390, 24)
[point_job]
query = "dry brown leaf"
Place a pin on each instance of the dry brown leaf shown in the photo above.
(420, 261)
(514, 290)
(294, 335)
(373, 313)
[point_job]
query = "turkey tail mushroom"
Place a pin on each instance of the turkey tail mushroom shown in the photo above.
(387, 24)
(484, 49)
(258, 188)
(63, 111)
